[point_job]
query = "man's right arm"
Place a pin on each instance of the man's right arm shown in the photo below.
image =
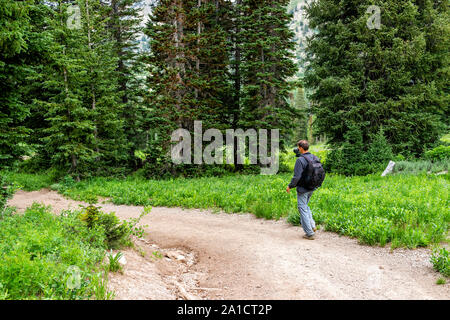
(298, 170)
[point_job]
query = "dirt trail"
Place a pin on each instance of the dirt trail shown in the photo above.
(236, 256)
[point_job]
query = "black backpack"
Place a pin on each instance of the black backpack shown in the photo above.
(314, 174)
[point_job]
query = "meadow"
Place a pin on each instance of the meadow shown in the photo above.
(43, 256)
(47, 256)
(400, 210)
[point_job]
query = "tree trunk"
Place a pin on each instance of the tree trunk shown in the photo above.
(197, 58)
(179, 62)
(117, 33)
(92, 71)
(310, 131)
(237, 82)
(74, 160)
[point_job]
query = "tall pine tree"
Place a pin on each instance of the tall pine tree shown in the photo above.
(188, 75)
(100, 86)
(301, 125)
(84, 129)
(395, 77)
(125, 25)
(267, 66)
(13, 27)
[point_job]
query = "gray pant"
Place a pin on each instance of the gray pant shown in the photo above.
(306, 219)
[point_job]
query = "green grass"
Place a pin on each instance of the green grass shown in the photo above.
(43, 256)
(288, 158)
(403, 210)
(421, 166)
(28, 181)
(446, 138)
(114, 264)
(441, 260)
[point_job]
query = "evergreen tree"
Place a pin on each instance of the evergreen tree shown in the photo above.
(13, 27)
(234, 27)
(70, 130)
(125, 27)
(301, 125)
(207, 49)
(188, 76)
(167, 77)
(395, 77)
(101, 84)
(267, 54)
(349, 159)
(38, 60)
(84, 127)
(379, 152)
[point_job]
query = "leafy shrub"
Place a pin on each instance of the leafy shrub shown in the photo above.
(90, 215)
(27, 181)
(40, 166)
(420, 167)
(441, 261)
(39, 251)
(156, 165)
(133, 224)
(287, 161)
(67, 182)
(379, 152)
(348, 159)
(169, 170)
(355, 158)
(294, 218)
(117, 232)
(34, 164)
(6, 191)
(322, 155)
(440, 153)
(114, 264)
(64, 184)
(446, 139)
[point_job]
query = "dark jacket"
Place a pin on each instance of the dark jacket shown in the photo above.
(300, 167)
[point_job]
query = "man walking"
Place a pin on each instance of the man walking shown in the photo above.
(304, 191)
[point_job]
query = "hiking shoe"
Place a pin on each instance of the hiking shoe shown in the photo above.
(309, 237)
